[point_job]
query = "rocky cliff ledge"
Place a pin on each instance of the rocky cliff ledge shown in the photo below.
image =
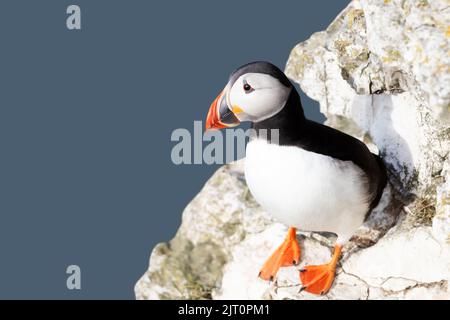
(381, 72)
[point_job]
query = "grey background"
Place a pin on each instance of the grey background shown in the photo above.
(85, 124)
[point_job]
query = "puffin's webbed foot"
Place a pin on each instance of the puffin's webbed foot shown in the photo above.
(287, 254)
(318, 279)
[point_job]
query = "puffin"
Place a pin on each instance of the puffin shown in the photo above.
(311, 178)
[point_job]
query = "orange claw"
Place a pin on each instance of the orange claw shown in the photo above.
(318, 279)
(287, 254)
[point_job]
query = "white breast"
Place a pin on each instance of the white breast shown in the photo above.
(306, 190)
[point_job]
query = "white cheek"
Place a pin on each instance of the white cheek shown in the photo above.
(264, 103)
(268, 97)
(259, 104)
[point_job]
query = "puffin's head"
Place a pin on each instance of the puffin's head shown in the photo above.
(255, 92)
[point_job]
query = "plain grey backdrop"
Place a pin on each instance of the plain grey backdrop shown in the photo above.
(85, 122)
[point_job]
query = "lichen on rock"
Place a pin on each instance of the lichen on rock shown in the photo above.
(380, 72)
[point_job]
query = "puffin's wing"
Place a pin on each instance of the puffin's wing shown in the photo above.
(339, 145)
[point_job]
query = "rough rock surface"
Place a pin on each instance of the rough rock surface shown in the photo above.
(381, 72)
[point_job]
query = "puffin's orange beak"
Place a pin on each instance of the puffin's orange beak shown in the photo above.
(219, 115)
(212, 119)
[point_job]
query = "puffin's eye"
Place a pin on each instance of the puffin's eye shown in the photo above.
(247, 88)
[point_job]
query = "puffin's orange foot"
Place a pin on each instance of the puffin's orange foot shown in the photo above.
(286, 255)
(317, 279)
